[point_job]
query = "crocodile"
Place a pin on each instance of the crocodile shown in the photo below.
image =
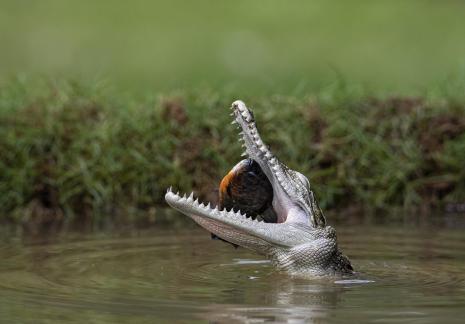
(298, 241)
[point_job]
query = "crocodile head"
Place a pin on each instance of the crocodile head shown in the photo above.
(299, 241)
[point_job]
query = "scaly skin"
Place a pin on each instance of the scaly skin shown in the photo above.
(300, 242)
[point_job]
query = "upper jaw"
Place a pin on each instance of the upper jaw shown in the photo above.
(255, 148)
(281, 178)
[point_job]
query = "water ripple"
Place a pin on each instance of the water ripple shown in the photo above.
(185, 275)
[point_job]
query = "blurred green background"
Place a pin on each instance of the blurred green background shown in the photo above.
(250, 46)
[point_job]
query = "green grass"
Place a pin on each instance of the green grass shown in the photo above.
(84, 151)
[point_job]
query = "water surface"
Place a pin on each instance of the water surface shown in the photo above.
(408, 272)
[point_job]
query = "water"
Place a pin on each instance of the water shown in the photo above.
(409, 272)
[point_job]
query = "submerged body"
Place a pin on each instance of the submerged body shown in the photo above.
(283, 222)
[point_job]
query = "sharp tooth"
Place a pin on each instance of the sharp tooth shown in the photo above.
(191, 196)
(268, 155)
(208, 206)
(234, 122)
(244, 154)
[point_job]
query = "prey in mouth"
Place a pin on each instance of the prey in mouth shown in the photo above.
(268, 208)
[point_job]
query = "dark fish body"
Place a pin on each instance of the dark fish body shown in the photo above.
(246, 188)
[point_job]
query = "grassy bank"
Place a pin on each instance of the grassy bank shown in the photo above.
(71, 151)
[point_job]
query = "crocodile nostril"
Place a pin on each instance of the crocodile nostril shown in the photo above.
(251, 116)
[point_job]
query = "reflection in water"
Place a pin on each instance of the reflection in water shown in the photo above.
(406, 273)
(289, 301)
